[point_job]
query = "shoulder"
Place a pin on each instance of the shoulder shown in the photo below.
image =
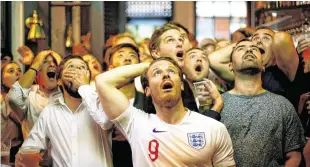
(205, 121)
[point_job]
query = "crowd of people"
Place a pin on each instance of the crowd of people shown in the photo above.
(142, 107)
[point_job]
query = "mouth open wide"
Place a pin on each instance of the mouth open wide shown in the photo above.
(180, 55)
(198, 68)
(167, 86)
(51, 75)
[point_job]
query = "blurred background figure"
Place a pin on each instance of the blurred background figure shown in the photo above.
(144, 51)
(11, 132)
(207, 45)
(6, 57)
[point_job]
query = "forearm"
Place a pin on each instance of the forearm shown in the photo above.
(285, 54)
(122, 75)
(293, 159)
(218, 105)
(219, 62)
(26, 80)
(17, 97)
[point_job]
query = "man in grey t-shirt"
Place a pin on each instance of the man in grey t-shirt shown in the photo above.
(264, 127)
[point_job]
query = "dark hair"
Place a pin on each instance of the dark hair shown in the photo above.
(123, 45)
(63, 62)
(245, 39)
(105, 49)
(145, 78)
(6, 53)
(155, 39)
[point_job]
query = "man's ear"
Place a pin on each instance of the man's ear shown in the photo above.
(182, 85)
(155, 54)
(264, 68)
(147, 91)
(59, 82)
(110, 67)
(230, 66)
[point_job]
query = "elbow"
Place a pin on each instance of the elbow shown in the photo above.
(282, 38)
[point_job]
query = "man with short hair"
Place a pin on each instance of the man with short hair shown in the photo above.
(174, 136)
(24, 96)
(264, 127)
(283, 70)
(76, 139)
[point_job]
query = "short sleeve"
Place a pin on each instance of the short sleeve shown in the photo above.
(293, 131)
(224, 155)
(130, 120)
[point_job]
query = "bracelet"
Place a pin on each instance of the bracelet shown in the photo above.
(34, 70)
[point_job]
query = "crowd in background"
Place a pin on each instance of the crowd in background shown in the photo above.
(265, 107)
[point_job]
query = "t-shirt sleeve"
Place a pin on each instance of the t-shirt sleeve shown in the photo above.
(130, 120)
(224, 154)
(293, 131)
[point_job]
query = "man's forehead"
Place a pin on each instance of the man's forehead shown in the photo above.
(264, 31)
(246, 43)
(195, 51)
(75, 61)
(162, 64)
(170, 32)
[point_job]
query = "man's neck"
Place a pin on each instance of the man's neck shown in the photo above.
(72, 102)
(47, 92)
(171, 115)
(247, 84)
(128, 90)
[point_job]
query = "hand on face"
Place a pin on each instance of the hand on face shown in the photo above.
(77, 77)
(39, 59)
(26, 55)
(303, 44)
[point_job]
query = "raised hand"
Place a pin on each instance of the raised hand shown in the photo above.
(303, 44)
(39, 59)
(26, 55)
(215, 95)
(77, 77)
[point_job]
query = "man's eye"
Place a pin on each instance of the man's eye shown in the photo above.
(70, 66)
(170, 40)
(171, 72)
(255, 39)
(266, 39)
(157, 73)
(241, 48)
(192, 56)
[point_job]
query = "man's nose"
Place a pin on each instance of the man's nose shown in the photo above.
(166, 75)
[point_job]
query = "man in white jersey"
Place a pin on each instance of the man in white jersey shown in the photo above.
(175, 136)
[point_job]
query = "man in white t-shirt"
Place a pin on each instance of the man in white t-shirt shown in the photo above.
(175, 136)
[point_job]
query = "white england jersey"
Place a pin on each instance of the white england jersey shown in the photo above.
(198, 141)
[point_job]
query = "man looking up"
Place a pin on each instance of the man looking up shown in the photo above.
(169, 137)
(264, 127)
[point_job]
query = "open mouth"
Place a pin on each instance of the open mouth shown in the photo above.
(249, 57)
(198, 68)
(262, 51)
(180, 55)
(51, 74)
(167, 86)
